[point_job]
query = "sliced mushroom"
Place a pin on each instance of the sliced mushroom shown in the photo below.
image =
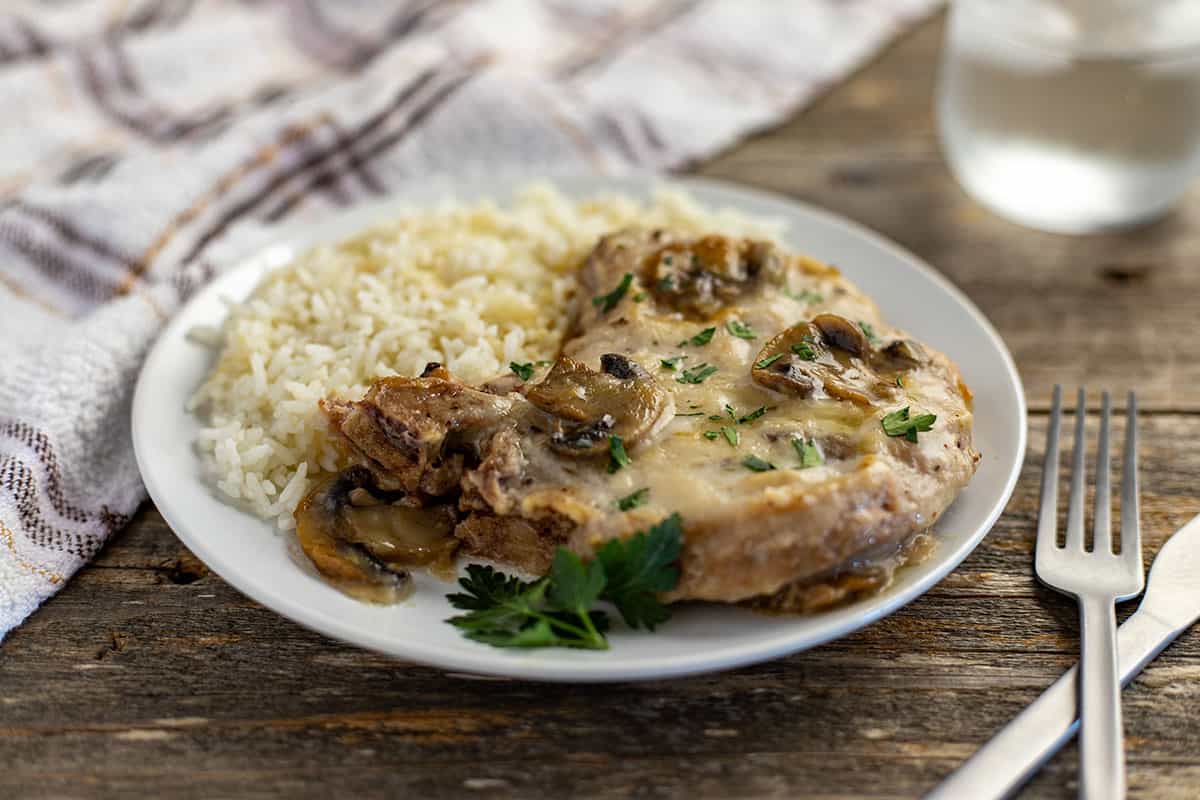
(831, 354)
(701, 276)
(843, 334)
(418, 434)
(587, 406)
(363, 540)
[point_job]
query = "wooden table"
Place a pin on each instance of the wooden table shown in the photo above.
(149, 676)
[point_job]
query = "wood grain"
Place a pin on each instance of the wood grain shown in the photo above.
(149, 676)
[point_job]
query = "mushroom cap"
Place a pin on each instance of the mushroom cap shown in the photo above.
(587, 406)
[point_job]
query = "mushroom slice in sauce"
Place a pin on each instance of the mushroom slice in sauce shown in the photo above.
(830, 356)
(589, 406)
(364, 541)
(701, 276)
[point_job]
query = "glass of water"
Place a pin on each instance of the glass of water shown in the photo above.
(1072, 116)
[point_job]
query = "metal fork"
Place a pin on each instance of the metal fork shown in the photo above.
(1098, 579)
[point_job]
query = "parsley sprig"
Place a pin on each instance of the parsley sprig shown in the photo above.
(700, 339)
(607, 302)
(696, 374)
(899, 423)
(808, 452)
(740, 329)
(522, 371)
(634, 499)
(617, 457)
(557, 610)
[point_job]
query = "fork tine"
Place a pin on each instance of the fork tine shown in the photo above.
(1131, 526)
(1048, 511)
(1102, 517)
(1078, 478)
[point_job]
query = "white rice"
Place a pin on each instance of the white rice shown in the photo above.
(473, 287)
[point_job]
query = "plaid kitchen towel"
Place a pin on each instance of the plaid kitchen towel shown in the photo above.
(145, 143)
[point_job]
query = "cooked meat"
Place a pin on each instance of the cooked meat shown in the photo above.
(669, 336)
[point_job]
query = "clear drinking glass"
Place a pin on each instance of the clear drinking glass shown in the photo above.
(1072, 116)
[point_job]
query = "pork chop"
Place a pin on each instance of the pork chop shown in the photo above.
(742, 386)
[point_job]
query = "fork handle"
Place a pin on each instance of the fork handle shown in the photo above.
(1101, 736)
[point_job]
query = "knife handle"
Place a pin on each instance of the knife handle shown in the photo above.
(1003, 765)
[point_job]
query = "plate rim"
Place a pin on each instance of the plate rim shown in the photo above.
(666, 667)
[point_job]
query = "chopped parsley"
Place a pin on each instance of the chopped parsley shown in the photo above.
(805, 350)
(671, 363)
(617, 457)
(756, 464)
(740, 329)
(639, 297)
(715, 418)
(710, 435)
(556, 611)
(522, 371)
(869, 331)
(700, 339)
(691, 414)
(805, 296)
(898, 423)
(667, 282)
(634, 499)
(763, 363)
(731, 435)
(753, 415)
(542, 364)
(900, 381)
(696, 374)
(807, 450)
(607, 302)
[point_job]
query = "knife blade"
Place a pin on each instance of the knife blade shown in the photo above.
(1170, 606)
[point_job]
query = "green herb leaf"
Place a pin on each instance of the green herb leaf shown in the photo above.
(869, 331)
(667, 282)
(671, 363)
(700, 339)
(757, 464)
(898, 423)
(740, 329)
(556, 611)
(753, 415)
(639, 297)
(573, 585)
(523, 371)
(900, 381)
(617, 457)
(804, 349)
(763, 363)
(691, 414)
(710, 435)
(633, 499)
(639, 568)
(807, 450)
(731, 435)
(696, 374)
(607, 302)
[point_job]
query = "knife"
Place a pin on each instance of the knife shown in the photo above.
(1169, 607)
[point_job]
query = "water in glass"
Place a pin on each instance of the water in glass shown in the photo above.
(1073, 116)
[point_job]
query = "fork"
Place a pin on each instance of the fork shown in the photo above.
(1098, 579)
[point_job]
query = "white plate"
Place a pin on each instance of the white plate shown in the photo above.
(266, 566)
